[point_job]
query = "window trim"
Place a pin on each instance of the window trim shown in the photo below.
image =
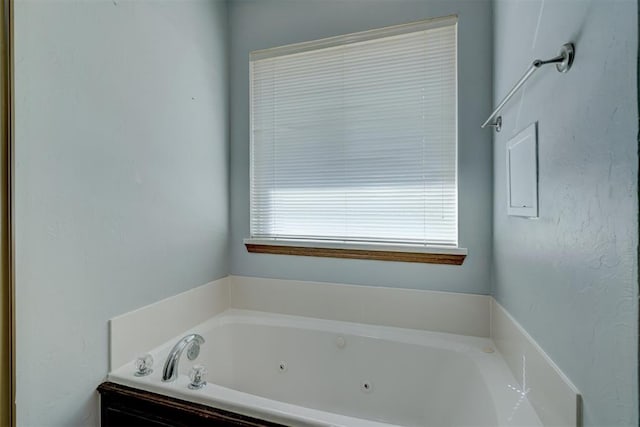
(372, 251)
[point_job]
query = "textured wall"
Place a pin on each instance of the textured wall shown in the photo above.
(570, 277)
(258, 24)
(121, 180)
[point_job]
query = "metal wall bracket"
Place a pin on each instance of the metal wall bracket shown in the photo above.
(497, 124)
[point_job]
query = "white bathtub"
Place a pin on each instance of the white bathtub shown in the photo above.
(309, 372)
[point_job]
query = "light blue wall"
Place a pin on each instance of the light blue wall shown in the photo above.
(259, 24)
(121, 191)
(570, 277)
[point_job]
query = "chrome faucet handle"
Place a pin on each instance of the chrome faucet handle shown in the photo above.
(198, 377)
(143, 365)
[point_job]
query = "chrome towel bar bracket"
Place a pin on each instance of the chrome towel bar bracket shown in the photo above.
(563, 62)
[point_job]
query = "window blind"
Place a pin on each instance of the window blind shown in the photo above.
(354, 138)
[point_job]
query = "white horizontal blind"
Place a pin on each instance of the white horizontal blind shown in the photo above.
(354, 138)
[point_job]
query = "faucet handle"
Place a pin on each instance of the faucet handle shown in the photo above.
(143, 365)
(198, 377)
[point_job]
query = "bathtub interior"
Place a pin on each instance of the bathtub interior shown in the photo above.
(352, 375)
(388, 376)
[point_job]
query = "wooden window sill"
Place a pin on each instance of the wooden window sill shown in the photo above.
(449, 256)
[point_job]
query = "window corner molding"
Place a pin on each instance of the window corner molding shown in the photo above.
(398, 253)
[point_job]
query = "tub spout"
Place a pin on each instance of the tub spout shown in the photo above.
(170, 370)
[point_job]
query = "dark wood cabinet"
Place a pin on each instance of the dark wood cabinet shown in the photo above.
(122, 406)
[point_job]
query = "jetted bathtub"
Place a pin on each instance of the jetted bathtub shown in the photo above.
(301, 371)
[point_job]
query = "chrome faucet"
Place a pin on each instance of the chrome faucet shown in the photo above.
(193, 341)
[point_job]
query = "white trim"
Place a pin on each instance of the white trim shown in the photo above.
(382, 247)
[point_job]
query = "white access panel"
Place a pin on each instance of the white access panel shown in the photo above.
(522, 173)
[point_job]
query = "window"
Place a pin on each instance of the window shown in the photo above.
(354, 144)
